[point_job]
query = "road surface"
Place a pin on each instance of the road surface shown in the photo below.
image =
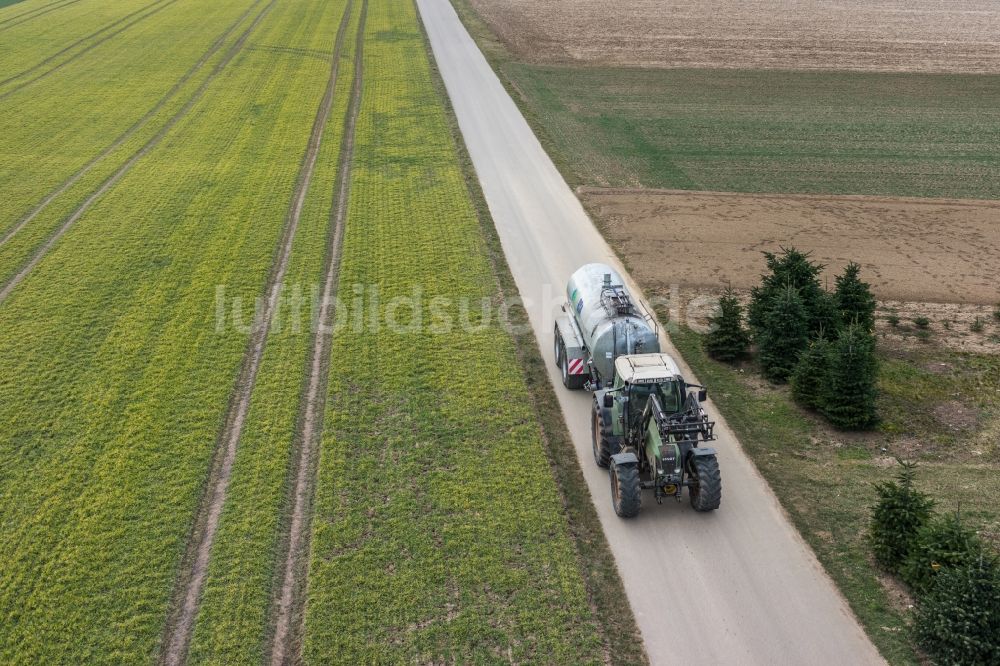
(738, 586)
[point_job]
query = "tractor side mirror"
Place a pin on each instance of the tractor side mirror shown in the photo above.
(702, 395)
(609, 401)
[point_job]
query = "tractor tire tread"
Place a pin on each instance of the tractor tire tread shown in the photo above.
(599, 443)
(629, 492)
(707, 495)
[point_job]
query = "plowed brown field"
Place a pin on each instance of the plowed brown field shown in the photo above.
(873, 35)
(910, 249)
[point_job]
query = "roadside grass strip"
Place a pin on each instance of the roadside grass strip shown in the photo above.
(102, 106)
(826, 486)
(437, 533)
(114, 379)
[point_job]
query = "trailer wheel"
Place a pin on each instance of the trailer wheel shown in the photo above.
(626, 493)
(706, 494)
(557, 344)
(599, 443)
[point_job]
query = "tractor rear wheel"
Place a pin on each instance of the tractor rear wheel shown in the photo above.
(626, 493)
(706, 493)
(599, 443)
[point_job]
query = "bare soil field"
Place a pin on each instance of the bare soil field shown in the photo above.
(910, 249)
(923, 257)
(874, 35)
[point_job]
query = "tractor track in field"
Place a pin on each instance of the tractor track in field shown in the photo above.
(128, 134)
(287, 608)
(194, 570)
(72, 46)
(110, 182)
(154, 9)
(12, 21)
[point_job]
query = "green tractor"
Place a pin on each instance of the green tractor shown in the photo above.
(650, 429)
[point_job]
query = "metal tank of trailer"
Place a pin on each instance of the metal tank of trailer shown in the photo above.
(600, 322)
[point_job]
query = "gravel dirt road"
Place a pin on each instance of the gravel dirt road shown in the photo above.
(738, 586)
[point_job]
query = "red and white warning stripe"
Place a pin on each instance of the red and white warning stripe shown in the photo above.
(576, 366)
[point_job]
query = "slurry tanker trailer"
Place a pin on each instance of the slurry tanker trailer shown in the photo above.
(600, 322)
(647, 424)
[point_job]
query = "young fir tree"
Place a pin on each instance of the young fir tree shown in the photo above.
(812, 373)
(853, 298)
(727, 339)
(897, 517)
(792, 268)
(958, 620)
(826, 321)
(943, 543)
(849, 402)
(784, 335)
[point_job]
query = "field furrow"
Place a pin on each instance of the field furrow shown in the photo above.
(127, 134)
(39, 253)
(287, 610)
(115, 379)
(32, 74)
(24, 17)
(437, 532)
(251, 544)
(29, 41)
(200, 546)
(52, 131)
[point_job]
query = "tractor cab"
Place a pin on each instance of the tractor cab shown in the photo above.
(641, 376)
(650, 429)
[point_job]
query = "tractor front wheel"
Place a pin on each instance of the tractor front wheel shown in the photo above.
(626, 493)
(706, 493)
(599, 443)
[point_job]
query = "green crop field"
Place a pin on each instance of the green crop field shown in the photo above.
(770, 131)
(151, 159)
(58, 144)
(437, 535)
(232, 621)
(115, 379)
